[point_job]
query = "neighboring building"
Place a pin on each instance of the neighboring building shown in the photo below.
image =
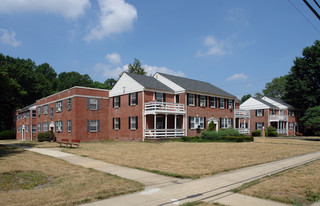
(26, 123)
(259, 113)
(138, 107)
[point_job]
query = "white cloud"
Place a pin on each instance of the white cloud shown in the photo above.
(116, 16)
(237, 77)
(8, 37)
(114, 58)
(153, 69)
(108, 71)
(68, 8)
(237, 15)
(214, 47)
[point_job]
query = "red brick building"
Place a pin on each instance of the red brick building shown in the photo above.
(137, 108)
(259, 113)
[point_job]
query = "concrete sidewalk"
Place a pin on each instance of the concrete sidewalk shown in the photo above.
(162, 190)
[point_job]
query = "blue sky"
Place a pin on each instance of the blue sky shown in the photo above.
(238, 46)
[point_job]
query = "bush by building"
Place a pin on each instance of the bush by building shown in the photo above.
(7, 134)
(46, 136)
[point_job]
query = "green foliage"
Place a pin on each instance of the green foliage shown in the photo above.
(258, 95)
(312, 196)
(110, 83)
(276, 88)
(7, 134)
(45, 136)
(71, 79)
(209, 136)
(211, 126)
(245, 98)
(303, 81)
(136, 67)
(256, 133)
(271, 132)
(228, 132)
(312, 119)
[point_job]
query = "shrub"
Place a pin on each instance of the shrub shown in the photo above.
(7, 134)
(211, 126)
(210, 135)
(228, 132)
(271, 129)
(46, 136)
(256, 133)
(240, 138)
(272, 133)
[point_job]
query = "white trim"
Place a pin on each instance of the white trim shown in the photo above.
(76, 95)
(143, 116)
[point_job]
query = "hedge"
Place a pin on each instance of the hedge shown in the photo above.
(7, 134)
(256, 133)
(46, 136)
(240, 138)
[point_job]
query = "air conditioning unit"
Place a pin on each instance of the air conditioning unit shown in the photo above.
(229, 107)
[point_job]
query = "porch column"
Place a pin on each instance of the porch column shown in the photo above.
(239, 120)
(165, 124)
(155, 124)
(144, 126)
(184, 133)
(175, 125)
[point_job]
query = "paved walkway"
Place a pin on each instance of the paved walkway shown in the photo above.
(162, 190)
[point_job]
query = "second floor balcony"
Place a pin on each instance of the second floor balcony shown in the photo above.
(240, 113)
(155, 107)
(276, 118)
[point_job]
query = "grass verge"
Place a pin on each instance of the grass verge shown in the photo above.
(298, 186)
(64, 184)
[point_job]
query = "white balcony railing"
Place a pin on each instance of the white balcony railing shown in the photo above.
(240, 113)
(243, 130)
(163, 107)
(162, 133)
(281, 131)
(278, 118)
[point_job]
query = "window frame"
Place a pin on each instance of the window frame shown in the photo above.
(59, 126)
(212, 100)
(58, 105)
(133, 99)
(230, 104)
(69, 125)
(51, 112)
(38, 111)
(159, 96)
(39, 127)
(260, 125)
(116, 123)
(45, 128)
(222, 103)
(202, 101)
(69, 104)
(197, 121)
(133, 123)
(45, 109)
(259, 112)
(291, 125)
(192, 97)
(93, 104)
(226, 123)
(33, 128)
(93, 125)
(116, 102)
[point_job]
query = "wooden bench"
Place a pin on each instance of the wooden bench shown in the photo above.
(69, 142)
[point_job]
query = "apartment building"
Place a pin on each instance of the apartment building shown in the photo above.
(138, 107)
(259, 113)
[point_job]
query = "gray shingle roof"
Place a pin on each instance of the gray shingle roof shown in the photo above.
(197, 86)
(149, 82)
(281, 102)
(266, 103)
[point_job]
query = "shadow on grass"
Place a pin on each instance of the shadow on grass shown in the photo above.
(9, 150)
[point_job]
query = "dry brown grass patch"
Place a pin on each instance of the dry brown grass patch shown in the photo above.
(194, 159)
(298, 186)
(67, 184)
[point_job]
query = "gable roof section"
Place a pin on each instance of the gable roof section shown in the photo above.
(266, 103)
(197, 86)
(280, 101)
(149, 82)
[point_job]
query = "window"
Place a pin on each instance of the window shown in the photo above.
(45, 126)
(69, 125)
(116, 123)
(116, 102)
(196, 122)
(159, 97)
(59, 106)
(202, 101)
(38, 111)
(51, 112)
(225, 123)
(280, 112)
(230, 104)
(221, 103)
(19, 129)
(93, 125)
(34, 128)
(39, 127)
(133, 99)
(291, 124)
(45, 109)
(191, 99)
(34, 115)
(69, 104)
(274, 111)
(259, 125)
(133, 123)
(259, 112)
(212, 102)
(93, 104)
(27, 128)
(177, 98)
(59, 126)
(291, 113)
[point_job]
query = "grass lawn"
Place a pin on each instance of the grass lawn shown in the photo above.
(194, 160)
(299, 186)
(27, 178)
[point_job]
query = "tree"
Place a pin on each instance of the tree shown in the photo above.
(312, 119)
(71, 79)
(136, 67)
(276, 88)
(245, 98)
(110, 83)
(258, 95)
(303, 81)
